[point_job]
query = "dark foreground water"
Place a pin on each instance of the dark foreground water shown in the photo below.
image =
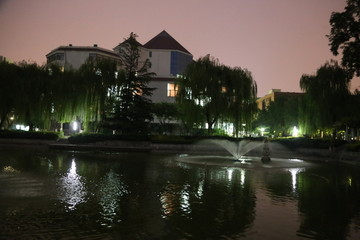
(66, 195)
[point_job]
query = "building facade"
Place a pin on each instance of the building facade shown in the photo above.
(274, 94)
(167, 56)
(72, 57)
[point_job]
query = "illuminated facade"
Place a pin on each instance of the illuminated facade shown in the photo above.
(167, 56)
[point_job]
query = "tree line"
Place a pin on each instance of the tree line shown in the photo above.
(327, 105)
(99, 94)
(107, 98)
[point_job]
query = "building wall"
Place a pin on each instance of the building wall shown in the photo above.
(160, 62)
(160, 94)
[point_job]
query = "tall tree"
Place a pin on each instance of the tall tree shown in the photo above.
(241, 93)
(345, 35)
(211, 93)
(200, 92)
(9, 83)
(132, 113)
(326, 94)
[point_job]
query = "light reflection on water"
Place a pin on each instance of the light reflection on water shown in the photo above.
(111, 189)
(72, 189)
(140, 196)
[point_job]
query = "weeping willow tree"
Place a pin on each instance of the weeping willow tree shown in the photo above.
(326, 94)
(99, 79)
(200, 94)
(241, 92)
(209, 92)
(33, 105)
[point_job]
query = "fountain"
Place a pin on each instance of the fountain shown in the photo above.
(238, 149)
(244, 153)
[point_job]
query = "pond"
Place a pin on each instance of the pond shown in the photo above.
(83, 195)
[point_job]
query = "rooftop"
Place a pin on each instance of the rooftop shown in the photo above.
(164, 41)
(93, 48)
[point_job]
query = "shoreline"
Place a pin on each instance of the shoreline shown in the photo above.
(308, 154)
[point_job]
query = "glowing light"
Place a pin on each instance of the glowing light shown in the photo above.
(22, 127)
(295, 132)
(262, 130)
(75, 126)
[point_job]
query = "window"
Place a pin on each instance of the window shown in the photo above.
(171, 90)
(150, 53)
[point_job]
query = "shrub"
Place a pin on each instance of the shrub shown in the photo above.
(30, 135)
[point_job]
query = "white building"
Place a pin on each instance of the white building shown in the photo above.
(167, 56)
(168, 59)
(72, 57)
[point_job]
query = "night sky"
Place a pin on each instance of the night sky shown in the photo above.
(277, 40)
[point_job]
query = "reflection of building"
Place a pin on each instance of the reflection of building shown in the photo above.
(167, 56)
(274, 94)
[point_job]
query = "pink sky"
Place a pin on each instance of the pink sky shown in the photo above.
(277, 40)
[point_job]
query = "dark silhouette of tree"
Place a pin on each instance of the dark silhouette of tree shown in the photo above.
(345, 35)
(165, 113)
(326, 94)
(132, 111)
(9, 84)
(241, 93)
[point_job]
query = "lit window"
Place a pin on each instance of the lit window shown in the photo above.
(171, 90)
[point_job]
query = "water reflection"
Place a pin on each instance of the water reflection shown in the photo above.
(111, 189)
(72, 188)
(140, 197)
(294, 172)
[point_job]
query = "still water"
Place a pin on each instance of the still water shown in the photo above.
(72, 195)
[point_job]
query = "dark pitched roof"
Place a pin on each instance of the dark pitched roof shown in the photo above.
(164, 41)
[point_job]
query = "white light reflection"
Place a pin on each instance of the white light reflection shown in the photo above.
(111, 190)
(185, 200)
(229, 173)
(73, 190)
(200, 189)
(294, 172)
(242, 177)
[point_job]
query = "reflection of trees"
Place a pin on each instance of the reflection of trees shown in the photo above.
(72, 189)
(215, 202)
(111, 188)
(328, 201)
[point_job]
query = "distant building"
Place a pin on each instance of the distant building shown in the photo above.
(72, 57)
(274, 94)
(168, 60)
(167, 56)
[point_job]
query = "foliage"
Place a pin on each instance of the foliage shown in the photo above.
(345, 35)
(30, 135)
(132, 106)
(303, 142)
(101, 137)
(209, 92)
(281, 115)
(326, 94)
